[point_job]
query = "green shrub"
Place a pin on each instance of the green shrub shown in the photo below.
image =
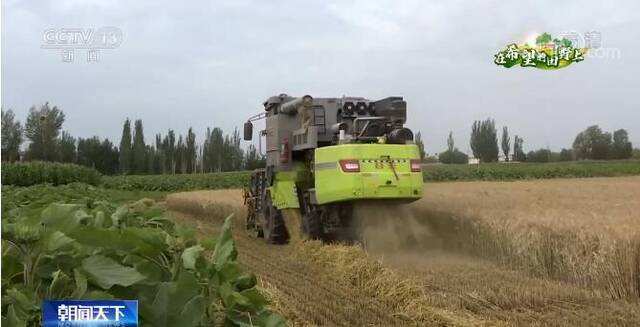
(40, 172)
(566, 155)
(453, 157)
(432, 173)
(176, 183)
(515, 171)
(540, 155)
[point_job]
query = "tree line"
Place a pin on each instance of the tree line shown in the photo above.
(170, 153)
(591, 144)
(173, 153)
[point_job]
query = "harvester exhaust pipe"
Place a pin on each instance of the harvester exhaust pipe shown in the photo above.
(291, 107)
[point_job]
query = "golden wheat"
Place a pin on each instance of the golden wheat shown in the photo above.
(314, 284)
(584, 231)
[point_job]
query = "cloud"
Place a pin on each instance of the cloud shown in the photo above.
(213, 63)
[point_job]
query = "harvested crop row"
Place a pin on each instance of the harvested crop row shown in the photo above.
(321, 285)
(309, 297)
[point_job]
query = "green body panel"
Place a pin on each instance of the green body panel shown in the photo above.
(376, 179)
(284, 194)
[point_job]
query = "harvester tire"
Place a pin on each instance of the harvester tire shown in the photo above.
(273, 228)
(312, 226)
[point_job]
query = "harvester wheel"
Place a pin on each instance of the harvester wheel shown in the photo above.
(273, 228)
(252, 219)
(312, 226)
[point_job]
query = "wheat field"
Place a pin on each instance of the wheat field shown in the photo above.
(586, 231)
(540, 253)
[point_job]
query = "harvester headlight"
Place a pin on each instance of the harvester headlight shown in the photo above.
(350, 166)
(416, 166)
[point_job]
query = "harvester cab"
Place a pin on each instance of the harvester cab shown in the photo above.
(323, 155)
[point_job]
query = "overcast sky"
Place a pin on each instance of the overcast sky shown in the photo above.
(212, 63)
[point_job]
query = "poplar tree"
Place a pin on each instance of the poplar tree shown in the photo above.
(126, 156)
(506, 143)
(484, 140)
(139, 149)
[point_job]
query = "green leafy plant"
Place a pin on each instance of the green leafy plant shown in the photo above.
(90, 248)
(40, 172)
(517, 171)
(432, 173)
(172, 183)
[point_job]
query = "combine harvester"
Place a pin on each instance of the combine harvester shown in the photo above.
(323, 155)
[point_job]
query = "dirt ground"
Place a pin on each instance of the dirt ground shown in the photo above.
(455, 287)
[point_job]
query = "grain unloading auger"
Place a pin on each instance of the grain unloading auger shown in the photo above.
(323, 155)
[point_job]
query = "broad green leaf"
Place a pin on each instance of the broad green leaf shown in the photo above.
(118, 216)
(192, 312)
(172, 301)
(161, 305)
(12, 318)
(249, 319)
(245, 300)
(158, 222)
(12, 263)
(99, 219)
(146, 241)
(55, 241)
(246, 281)
(81, 284)
(225, 251)
(208, 244)
(271, 319)
(153, 273)
(185, 232)
(190, 255)
(226, 273)
(150, 241)
(97, 295)
(105, 272)
(186, 288)
(254, 297)
(146, 295)
(60, 286)
(23, 303)
(21, 233)
(63, 217)
(98, 237)
(228, 295)
(49, 264)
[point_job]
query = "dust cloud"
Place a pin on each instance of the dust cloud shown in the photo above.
(387, 228)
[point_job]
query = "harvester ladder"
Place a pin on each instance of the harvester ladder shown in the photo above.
(319, 119)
